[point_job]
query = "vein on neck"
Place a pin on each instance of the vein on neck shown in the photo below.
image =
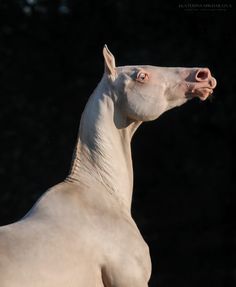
(103, 151)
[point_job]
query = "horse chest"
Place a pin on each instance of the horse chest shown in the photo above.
(126, 256)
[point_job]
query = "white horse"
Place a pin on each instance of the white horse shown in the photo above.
(80, 233)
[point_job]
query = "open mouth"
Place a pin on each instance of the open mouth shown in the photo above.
(199, 90)
(203, 93)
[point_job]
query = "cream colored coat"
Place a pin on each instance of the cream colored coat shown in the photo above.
(80, 233)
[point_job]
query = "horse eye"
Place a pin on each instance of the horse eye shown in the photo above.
(142, 76)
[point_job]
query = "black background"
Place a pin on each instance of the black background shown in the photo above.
(184, 190)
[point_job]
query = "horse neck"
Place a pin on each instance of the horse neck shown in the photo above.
(103, 152)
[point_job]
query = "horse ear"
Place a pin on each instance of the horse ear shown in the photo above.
(110, 64)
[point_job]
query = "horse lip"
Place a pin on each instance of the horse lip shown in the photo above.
(213, 83)
(203, 93)
(200, 90)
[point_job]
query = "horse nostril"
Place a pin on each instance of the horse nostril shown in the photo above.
(202, 74)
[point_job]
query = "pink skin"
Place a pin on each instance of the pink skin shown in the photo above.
(148, 91)
(200, 83)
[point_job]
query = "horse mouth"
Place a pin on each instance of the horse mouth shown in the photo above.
(203, 93)
(200, 90)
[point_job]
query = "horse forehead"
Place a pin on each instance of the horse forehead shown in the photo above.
(130, 68)
(152, 70)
